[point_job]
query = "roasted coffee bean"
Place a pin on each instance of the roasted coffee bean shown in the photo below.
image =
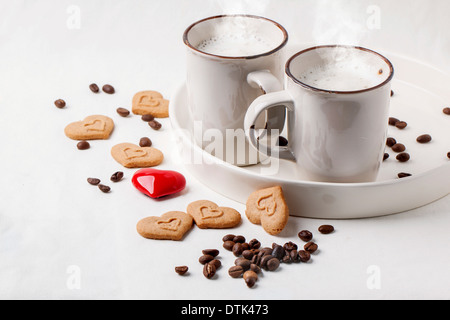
(254, 244)
(104, 188)
(403, 157)
(293, 255)
(209, 270)
(83, 145)
(216, 263)
(273, 264)
(147, 117)
(255, 268)
(181, 270)
(310, 247)
(250, 278)
(93, 181)
(117, 176)
(266, 250)
(205, 258)
(402, 175)
(155, 125)
(94, 88)
(446, 111)
(326, 229)
(288, 246)
(448, 155)
(393, 121)
(145, 142)
(228, 245)
(228, 237)
(107, 88)
(248, 254)
(244, 263)
(239, 239)
(304, 256)
(386, 156)
(211, 252)
(278, 252)
(123, 112)
(286, 258)
(392, 93)
(237, 249)
(425, 138)
(390, 142)
(60, 103)
(282, 141)
(401, 125)
(235, 271)
(398, 147)
(265, 259)
(305, 235)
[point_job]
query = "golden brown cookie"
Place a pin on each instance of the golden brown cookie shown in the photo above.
(150, 102)
(172, 225)
(268, 208)
(208, 215)
(91, 128)
(132, 156)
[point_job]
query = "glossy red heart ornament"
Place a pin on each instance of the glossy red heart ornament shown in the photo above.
(158, 183)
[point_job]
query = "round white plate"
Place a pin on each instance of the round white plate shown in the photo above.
(421, 93)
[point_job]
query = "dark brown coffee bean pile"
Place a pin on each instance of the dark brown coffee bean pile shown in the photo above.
(94, 88)
(155, 125)
(83, 145)
(425, 138)
(210, 262)
(109, 89)
(60, 103)
(123, 112)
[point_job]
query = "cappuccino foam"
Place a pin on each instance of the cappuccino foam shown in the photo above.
(235, 45)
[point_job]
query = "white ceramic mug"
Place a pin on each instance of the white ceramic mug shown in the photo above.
(338, 100)
(250, 48)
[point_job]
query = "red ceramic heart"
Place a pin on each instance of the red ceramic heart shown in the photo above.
(158, 183)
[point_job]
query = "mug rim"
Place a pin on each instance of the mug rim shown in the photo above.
(279, 47)
(306, 86)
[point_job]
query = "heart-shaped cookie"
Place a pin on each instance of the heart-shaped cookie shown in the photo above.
(208, 215)
(172, 225)
(91, 128)
(150, 102)
(268, 208)
(132, 156)
(158, 183)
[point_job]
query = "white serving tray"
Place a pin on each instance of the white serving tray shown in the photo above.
(421, 93)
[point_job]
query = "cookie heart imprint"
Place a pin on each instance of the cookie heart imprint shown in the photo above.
(91, 128)
(172, 225)
(132, 156)
(208, 215)
(158, 183)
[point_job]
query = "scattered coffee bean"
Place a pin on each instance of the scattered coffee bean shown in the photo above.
(446, 111)
(425, 138)
(147, 117)
(293, 255)
(390, 142)
(117, 176)
(209, 270)
(265, 259)
(248, 254)
(282, 141)
(304, 256)
(402, 175)
(104, 188)
(250, 278)
(237, 249)
(278, 252)
(228, 245)
(107, 88)
(398, 147)
(239, 239)
(228, 237)
(123, 112)
(236, 271)
(403, 157)
(93, 181)
(244, 263)
(60, 103)
(254, 244)
(94, 88)
(83, 145)
(205, 258)
(288, 246)
(393, 121)
(273, 264)
(392, 93)
(211, 252)
(155, 125)
(216, 263)
(326, 229)
(401, 125)
(386, 156)
(145, 142)
(311, 247)
(255, 268)
(305, 235)
(181, 270)
(448, 155)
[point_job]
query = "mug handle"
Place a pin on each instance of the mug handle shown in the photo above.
(261, 104)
